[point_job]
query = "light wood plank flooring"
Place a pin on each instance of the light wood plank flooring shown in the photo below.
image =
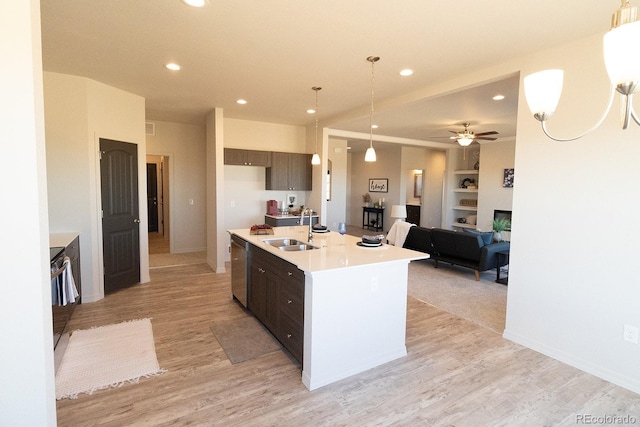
(456, 372)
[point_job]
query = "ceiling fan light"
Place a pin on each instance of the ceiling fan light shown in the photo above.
(370, 155)
(315, 160)
(543, 90)
(620, 57)
(465, 142)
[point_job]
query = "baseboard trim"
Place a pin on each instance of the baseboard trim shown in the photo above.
(569, 359)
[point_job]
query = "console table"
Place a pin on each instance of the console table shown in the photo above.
(379, 219)
(501, 257)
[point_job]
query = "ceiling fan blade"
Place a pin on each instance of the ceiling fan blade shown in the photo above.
(453, 131)
(484, 138)
(492, 132)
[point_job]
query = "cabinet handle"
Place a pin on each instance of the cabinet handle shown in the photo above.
(290, 273)
(288, 335)
(289, 301)
(260, 270)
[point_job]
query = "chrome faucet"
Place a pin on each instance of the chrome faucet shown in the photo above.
(310, 236)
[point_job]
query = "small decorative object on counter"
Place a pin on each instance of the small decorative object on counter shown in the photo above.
(261, 229)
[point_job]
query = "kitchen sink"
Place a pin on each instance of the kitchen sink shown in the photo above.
(288, 244)
(301, 247)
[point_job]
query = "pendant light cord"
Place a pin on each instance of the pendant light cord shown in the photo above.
(373, 61)
(316, 89)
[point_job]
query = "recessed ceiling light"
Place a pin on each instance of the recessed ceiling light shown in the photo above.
(241, 101)
(498, 97)
(374, 126)
(173, 66)
(194, 3)
(406, 72)
(311, 111)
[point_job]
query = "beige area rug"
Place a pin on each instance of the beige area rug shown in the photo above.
(455, 290)
(244, 339)
(170, 260)
(107, 356)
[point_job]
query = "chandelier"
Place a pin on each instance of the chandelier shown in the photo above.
(543, 89)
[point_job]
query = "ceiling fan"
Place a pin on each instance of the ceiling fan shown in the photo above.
(466, 137)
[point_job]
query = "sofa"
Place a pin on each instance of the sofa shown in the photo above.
(466, 248)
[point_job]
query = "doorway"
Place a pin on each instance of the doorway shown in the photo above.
(152, 197)
(158, 203)
(120, 214)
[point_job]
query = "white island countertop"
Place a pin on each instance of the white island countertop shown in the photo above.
(334, 251)
(355, 302)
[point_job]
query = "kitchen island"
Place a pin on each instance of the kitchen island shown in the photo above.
(355, 301)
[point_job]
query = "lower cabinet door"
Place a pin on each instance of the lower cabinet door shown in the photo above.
(257, 296)
(291, 336)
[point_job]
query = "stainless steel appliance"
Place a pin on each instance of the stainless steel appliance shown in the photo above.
(239, 269)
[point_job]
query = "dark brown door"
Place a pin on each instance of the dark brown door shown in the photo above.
(152, 196)
(120, 216)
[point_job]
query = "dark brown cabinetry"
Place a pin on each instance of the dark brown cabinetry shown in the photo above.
(413, 214)
(62, 313)
(289, 221)
(234, 156)
(289, 171)
(276, 298)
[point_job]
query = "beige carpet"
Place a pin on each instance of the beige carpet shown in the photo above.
(454, 290)
(107, 356)
(244, 339)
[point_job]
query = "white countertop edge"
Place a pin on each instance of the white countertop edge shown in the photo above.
(61, 239)
(335, 251)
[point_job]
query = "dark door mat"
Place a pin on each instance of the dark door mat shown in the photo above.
(244, 339)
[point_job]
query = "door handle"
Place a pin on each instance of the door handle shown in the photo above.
(137, 221)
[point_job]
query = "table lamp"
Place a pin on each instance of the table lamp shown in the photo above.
(399, 212)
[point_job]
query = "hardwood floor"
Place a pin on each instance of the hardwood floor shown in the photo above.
(455, 373)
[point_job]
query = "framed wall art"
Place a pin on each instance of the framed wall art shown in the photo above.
(379, 185)
(508, 178)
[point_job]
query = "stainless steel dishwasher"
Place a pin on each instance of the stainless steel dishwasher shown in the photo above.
(239, 268)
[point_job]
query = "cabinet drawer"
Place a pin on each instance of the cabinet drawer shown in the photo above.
(290, 272)
(292, 305)
(291, 336)
(73, 249)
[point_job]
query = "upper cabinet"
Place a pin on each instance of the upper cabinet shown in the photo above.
(234, 156)
(289, 171)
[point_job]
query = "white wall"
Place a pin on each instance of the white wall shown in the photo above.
(78, 113)
(26, 358)
(495, 157)
(263, 136)
(432, 162)
(185, 144)
(337, 206)
(387, 166)
(573, 281)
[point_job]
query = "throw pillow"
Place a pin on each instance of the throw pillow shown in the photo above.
(487, 236)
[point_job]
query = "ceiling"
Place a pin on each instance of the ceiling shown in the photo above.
(271, 52)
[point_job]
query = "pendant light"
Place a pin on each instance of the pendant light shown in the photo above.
(370, 155)
(315, 160)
